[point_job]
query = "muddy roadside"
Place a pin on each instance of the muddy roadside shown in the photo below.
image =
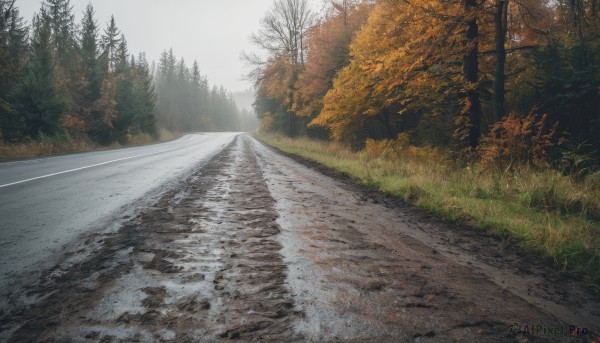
(433, 280)
(200, 265)
(255, 246)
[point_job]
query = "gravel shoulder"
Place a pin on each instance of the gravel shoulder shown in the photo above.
(257, 246)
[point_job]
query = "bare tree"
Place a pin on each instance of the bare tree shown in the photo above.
(283, 32)
(282, 35)
(343, 7)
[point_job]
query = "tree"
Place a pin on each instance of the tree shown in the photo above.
(110, 44)
(146, 92)
(90, 53)
(13, 52)
(126, 102)
(404, 75)
(59, 14)
(328, 45)
(38, 104)
(91, 70)
(471, 113)
(282, 35)
(185, 102)
(501, 29)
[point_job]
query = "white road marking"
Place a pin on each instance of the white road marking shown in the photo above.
(86, 167)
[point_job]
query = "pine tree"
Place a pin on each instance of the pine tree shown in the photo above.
(59, 14)
(38, 104)
(90, 53)
(146, 94)
(125, 97)
(13, 55)
(91, 71)
(110, 44)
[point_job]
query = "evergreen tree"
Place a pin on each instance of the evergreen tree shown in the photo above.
(125, 97)
(110, 44)
(91, 71)
(59, 14)
(38, 104)
(13, 55)
(146, 94)
(90, 54)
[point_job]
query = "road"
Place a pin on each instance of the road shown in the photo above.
(251, 245)
(46, 203)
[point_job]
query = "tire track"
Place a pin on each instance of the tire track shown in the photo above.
(202, 264)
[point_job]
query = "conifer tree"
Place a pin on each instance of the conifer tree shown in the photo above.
(91, 73)
(38, 104)
(110, 44)
(60, 16)
(146, 93)
(13, 55)
(125, 97)
(90, 65)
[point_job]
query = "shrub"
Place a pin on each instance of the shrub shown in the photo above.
(515, 142)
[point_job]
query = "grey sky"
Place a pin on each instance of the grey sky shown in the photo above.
(212, 31)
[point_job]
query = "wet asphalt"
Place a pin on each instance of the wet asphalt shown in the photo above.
(46, 203)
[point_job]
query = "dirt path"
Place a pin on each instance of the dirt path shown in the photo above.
(257, 247)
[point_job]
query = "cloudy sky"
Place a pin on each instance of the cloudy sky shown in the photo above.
(212, 31)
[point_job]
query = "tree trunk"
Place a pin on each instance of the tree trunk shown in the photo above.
(472, 108)
(499, 77)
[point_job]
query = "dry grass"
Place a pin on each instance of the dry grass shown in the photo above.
(48, 146)
(544, 210)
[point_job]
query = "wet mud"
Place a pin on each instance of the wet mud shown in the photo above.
(201, 265)
(256, 246)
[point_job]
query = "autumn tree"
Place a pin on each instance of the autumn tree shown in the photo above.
(282, 35)
(405, 75)
(328, 51)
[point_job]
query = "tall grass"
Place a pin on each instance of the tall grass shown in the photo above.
(541, 209)
(53, 146)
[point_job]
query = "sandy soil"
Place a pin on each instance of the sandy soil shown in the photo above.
(256, 246)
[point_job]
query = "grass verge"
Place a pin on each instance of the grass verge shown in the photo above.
(49, 146)
(544, 211)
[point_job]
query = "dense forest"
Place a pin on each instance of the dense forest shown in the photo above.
(60, 80)
(462, 75)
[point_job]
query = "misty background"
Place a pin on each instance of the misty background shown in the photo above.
(214, 33)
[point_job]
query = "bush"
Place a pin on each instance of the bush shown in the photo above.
(516, 142)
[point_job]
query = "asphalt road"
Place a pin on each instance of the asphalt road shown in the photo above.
(252, 245)
(47, 203)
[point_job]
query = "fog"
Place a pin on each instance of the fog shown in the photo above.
(212, 32)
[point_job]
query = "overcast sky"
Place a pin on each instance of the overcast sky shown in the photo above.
(212, 31)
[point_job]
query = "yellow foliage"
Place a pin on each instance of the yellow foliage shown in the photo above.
(398, 59)
(400, 148)
(266, 122)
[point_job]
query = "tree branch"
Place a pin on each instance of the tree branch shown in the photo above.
(510, 50)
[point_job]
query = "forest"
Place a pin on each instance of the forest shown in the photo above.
(66, 81)
(484, 112)
(443, 73)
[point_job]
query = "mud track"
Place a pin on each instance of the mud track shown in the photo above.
(255, 246)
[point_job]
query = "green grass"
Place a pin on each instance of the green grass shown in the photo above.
(50, 146)
(543, 210)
